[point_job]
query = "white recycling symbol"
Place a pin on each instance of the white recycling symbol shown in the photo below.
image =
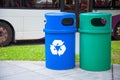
(57, 47)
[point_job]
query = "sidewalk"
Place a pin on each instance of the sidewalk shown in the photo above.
(36, 70)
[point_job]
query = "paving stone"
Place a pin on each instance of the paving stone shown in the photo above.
(29, 65)
(9, 69)
(26, 76)
(116, 72)
(36, 70)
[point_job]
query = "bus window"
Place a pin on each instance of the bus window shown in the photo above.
(69, 5)
(8, 3)
(116, 4)
(84, 5)
(46, 4)
(36, 4)
(1, 3)
(102, 3)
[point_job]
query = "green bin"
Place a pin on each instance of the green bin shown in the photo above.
(95, 41)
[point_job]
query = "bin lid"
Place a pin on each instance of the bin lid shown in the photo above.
(95, 22)
(60, 22)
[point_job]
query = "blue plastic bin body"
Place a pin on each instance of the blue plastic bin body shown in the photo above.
(60, 40)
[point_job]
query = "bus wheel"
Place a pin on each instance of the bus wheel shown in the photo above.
(5, 34)
(117, 31)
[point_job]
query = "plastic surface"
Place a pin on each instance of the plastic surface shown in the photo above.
(60, 51)
(95, 42)
(86, 25)
(54, 22)
(60, 41)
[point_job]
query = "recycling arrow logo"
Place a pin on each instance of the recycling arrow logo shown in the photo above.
(57, 47)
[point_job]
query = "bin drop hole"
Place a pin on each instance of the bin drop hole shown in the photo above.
(68, 21)
(98, 22)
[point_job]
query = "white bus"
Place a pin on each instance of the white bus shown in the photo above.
(24, 19)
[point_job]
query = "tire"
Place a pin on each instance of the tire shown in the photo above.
(117, 31)
(5, 34)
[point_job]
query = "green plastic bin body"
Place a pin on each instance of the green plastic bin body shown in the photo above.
(95, 41)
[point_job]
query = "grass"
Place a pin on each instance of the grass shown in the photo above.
(37, 53)
(29, 52)
(115, 50)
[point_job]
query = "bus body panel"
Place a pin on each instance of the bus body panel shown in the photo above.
(115, 20)
(17, 23)
(27, 23)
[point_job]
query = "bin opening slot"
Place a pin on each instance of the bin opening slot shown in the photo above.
(98, 22)
(68, 21)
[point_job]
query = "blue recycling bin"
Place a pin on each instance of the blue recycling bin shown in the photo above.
(60, 40)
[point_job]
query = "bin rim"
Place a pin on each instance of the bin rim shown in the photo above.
(95, 31)
(59, 31)
(58, 13)
(96, 13)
